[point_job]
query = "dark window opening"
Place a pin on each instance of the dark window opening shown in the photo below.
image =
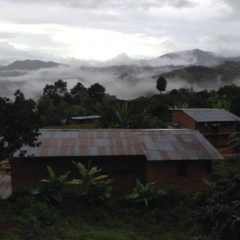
(182, 169)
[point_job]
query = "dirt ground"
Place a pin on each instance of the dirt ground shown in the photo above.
(5, 184)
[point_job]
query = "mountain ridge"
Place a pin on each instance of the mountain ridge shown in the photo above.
(29, 65)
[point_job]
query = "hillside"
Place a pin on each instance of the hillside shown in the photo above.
(226, 73)
(28, 65)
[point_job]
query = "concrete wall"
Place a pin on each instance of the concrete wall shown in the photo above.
(165, 174)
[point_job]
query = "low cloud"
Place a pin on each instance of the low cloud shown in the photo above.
(33, 82)
(125, 82)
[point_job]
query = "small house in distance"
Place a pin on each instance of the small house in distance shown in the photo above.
(215, 124)
(169, 157)
(89, 121)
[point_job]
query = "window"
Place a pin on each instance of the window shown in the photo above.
(182, 169)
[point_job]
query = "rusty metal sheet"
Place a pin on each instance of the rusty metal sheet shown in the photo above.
(155, 144)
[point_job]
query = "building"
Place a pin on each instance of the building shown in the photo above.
(90, 121)
(215, 124)
(168, 157)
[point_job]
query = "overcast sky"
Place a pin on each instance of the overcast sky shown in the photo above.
(102, 29)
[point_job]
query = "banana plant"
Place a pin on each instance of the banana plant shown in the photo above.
(94, 186)
(51, 188)
(145, 193)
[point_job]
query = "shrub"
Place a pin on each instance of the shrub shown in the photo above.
(234, 142)
(31, 210)
(51, 188)
(175, 196)
(220, 209)
(94, 187)
(145, 194)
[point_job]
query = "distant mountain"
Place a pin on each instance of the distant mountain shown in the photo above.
(122, 59)
(181, 58)
(189, 57)
(29, 65)
(202, 76)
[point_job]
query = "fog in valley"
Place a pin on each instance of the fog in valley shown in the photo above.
(123, 77)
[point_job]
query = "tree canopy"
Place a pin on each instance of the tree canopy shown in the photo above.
(161, 84)
(19, 124)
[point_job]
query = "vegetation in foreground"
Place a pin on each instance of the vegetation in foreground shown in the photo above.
(144, 214)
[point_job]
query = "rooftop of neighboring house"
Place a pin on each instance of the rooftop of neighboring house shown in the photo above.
(210, 115)
(86, 117)
(154, 144)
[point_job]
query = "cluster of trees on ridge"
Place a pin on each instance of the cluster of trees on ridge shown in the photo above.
(57, 102)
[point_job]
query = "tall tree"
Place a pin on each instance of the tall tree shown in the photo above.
(79, 93)
(19, 124)
(56, 91)
(96, 92)
(161, 84)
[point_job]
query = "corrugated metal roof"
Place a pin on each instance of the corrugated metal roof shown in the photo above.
(156, 145)
(86, 117)
(211, 115)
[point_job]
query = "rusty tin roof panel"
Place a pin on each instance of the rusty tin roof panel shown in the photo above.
(156, 144)
(177, 144)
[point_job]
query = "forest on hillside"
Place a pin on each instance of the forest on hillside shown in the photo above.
(58, 102)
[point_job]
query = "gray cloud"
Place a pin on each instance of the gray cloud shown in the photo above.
(8, 54)
(90, 4)
(233, 3)
(184, 24)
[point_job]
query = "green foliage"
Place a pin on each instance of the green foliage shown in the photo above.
(31, 211)
(57, 90)
(218, 101)
(225, 169)
(117, 220)
(94, 187)
(51, 188)
(220, 209)
(19, 124)
(152, 111)
(234, 142)
(235, 103)
(175, 197)
(79, 94)
(96, 92)
(123, 115)
(145, 194)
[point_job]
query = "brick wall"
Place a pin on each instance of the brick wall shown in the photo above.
(27, 173)
(164, 174)
(183, 120)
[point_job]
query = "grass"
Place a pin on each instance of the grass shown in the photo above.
(114, 221)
